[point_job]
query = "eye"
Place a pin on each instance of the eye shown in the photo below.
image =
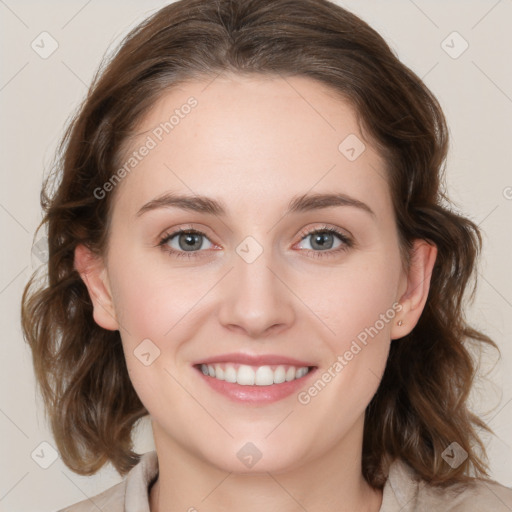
(322, 241)
(183, 242)
(188, 243)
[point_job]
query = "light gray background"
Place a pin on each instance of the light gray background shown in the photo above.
(38, 95)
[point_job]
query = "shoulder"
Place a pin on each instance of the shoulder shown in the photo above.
(479, 496)
(110, 500)
(133, 490)
(405, 492)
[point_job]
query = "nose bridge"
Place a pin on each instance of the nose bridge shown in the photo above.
(256, 299)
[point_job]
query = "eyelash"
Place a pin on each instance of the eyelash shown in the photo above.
(347, 242)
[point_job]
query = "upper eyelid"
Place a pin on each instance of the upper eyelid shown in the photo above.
(336, 230)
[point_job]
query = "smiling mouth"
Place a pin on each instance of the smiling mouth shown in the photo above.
(246, 375)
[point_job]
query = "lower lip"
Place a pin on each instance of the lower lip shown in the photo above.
(256, 394)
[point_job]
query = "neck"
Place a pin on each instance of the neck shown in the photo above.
(333, 482)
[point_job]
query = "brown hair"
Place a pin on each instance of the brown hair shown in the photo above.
(421, 404)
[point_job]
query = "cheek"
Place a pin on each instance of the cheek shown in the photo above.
(357, 306)
(149, 298)
(359, 309)
(358, 295)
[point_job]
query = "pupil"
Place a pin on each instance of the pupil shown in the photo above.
(321, 241)
(190, 241)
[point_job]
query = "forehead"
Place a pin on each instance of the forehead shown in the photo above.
(255, 138)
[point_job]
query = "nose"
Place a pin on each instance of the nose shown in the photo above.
(255, 299)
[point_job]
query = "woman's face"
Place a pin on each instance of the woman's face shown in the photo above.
(262, 278)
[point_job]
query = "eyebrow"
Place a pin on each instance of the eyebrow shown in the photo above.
(203, 204)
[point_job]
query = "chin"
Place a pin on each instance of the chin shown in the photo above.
(255, 457)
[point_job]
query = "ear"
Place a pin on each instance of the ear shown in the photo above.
(94, 274)
(423, 257)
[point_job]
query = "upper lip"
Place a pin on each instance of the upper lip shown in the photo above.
(254, 360)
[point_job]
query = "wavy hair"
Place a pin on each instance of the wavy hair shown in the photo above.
(421, 405)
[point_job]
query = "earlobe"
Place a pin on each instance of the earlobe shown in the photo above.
(414, 298)
(95, 277)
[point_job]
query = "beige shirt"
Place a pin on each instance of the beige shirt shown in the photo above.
(402, 493)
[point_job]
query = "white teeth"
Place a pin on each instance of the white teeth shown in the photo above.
(230, 374)
(245, 376)
(301, 372)
(290, 374)
(249, 376)
(279, 375)
(219, 373)
(264, 376)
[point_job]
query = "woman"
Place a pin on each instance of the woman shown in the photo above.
(249, 242)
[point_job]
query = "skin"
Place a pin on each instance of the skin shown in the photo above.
(254, 143)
